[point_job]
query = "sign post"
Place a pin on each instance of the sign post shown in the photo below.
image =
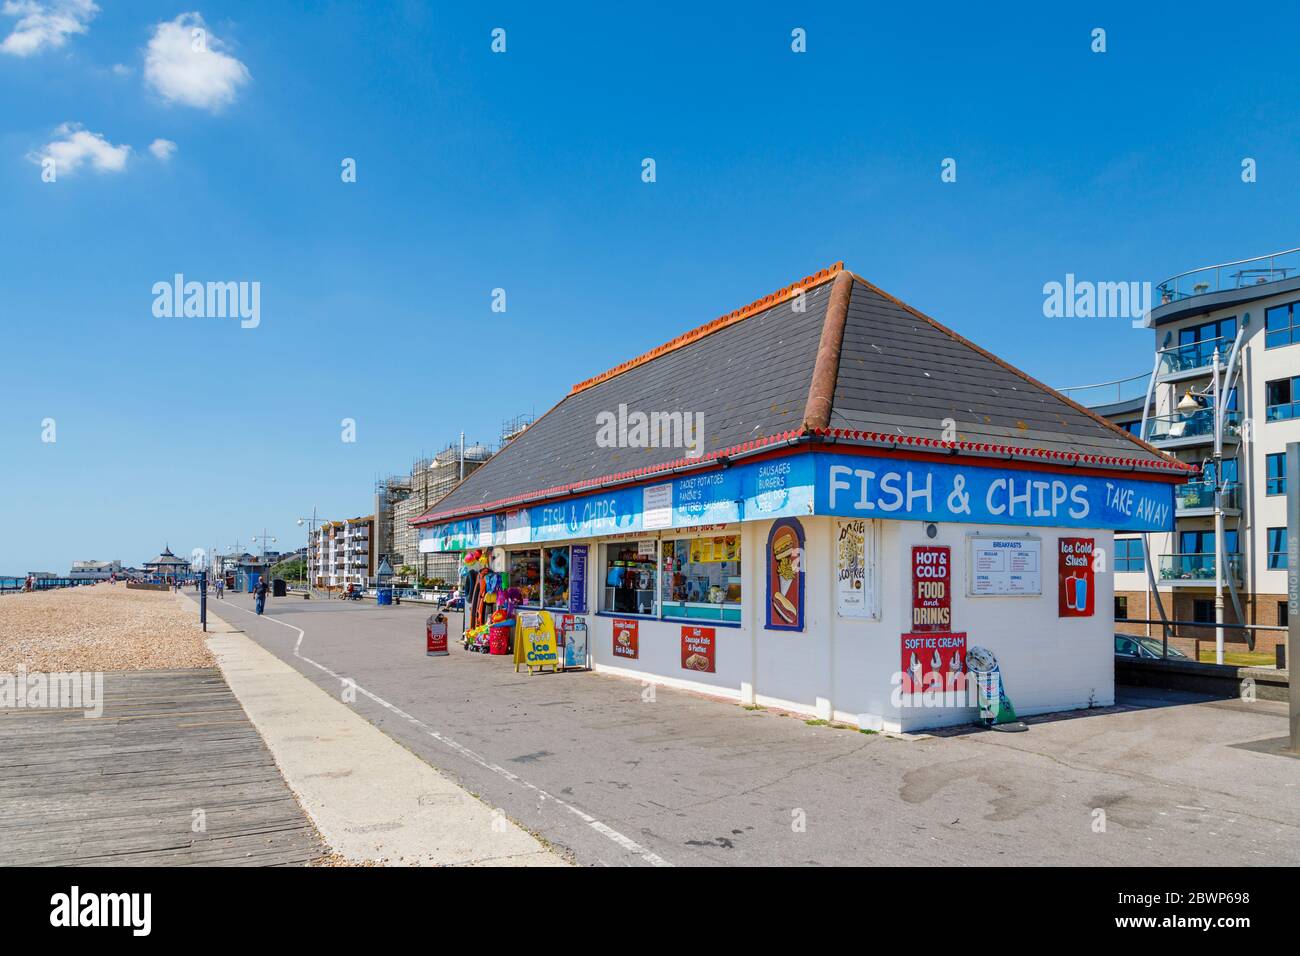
(435, 635)
(1293, 582)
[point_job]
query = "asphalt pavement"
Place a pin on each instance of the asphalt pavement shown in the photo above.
(613, 772)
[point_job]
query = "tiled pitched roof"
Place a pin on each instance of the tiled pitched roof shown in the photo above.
(842, 361)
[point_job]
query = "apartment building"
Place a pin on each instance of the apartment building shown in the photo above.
(1227, 361)
(340, 553)
(399, 499)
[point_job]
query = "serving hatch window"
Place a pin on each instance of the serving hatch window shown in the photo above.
(629, 584)
(525, 570)
(701, 578)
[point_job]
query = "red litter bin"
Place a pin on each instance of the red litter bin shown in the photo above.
(499, 638)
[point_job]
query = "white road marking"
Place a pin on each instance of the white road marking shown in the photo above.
(627, 843)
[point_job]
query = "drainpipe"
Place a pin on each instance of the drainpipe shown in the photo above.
(1219, 569)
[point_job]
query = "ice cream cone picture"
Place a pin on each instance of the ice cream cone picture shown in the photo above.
(785, 575)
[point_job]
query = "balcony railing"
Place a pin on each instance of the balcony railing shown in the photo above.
(1107, 393)
(1197, 424)
(1200, 494)
(1197, 566)
(1194, 355)
(1240, 274)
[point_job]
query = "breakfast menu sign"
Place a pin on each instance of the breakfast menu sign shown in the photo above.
(1005, 566)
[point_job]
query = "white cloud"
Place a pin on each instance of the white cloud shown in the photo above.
(121, 69)
(186, 64)
(162, 149)
(75, 146)
(44, 23)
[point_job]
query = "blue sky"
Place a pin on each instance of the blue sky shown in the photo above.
(522, 171)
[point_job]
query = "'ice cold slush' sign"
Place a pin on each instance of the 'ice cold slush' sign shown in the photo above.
(863, 486)
(1076, 584)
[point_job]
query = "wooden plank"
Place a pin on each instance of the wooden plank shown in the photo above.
(121, 789)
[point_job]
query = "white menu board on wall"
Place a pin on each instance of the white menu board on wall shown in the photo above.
(1009, 565)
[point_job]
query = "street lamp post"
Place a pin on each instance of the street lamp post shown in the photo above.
(313, 524)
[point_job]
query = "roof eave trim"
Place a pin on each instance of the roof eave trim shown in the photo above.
(1004, 452)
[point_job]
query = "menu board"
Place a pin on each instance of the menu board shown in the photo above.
(1005, 566)
(578, 579)
(657, 507)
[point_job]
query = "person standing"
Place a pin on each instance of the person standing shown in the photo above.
(221, 588)
(259, 593)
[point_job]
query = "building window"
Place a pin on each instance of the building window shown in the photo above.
(1280, 325)
(1203, 611)
(1277, 548)
(1128, 554)
(1121, 607)
(1196, 344)
(525, 570)
(701, 578)
(1283, 614)
(1202, 542)
(1229, 471)
(1279, 399)
(555, 578)
(1276, 473)
(629, 585)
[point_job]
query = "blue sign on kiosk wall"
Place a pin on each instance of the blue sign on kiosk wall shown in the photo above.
(848, 485)
(578, 579)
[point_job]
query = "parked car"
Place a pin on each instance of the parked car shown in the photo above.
(1130, 648)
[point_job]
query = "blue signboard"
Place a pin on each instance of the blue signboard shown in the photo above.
(578, 579)
(862, 486)
(859, 486)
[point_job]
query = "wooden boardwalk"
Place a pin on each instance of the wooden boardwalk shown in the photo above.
(126, 788)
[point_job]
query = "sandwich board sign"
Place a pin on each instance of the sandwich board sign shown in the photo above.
(535, 645)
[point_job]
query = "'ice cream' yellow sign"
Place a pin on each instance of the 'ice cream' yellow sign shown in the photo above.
(535, 644)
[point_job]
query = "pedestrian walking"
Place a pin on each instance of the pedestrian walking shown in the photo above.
(221, 588)
(259, 592)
